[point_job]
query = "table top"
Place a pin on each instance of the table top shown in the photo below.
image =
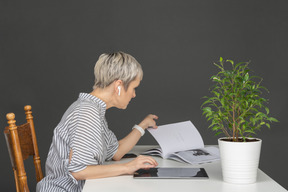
(214, 183)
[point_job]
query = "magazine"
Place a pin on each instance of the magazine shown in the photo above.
(182, 142)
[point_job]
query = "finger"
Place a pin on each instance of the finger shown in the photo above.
(154, 161)
(155, 127)
(144, 159)
(150, 160)
(148, 166)
(155, 117)
(149, 163)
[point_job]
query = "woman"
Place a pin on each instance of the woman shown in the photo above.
(82, 140)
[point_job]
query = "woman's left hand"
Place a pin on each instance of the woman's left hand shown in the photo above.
(149, 121)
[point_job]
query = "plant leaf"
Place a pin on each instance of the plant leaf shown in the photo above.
(232, 62)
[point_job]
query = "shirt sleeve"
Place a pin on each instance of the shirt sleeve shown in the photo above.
(86, 139)
(113, 145)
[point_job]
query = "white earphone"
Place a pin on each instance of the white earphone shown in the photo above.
(119, 90)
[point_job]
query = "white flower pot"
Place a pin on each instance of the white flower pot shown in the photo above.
(239, 161)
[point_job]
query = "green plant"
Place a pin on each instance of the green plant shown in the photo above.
(236, 107)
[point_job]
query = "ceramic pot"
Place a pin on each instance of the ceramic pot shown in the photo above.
(239, 160)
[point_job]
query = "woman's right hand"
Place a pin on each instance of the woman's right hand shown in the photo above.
(149, 121)
(141, 162)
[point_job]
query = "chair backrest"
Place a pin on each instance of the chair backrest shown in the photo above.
(21, 143)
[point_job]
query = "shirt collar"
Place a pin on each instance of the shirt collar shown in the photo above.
(101, 104)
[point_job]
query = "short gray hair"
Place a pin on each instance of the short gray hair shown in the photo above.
(116, 66)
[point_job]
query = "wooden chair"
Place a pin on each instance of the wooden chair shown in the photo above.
(22, 143)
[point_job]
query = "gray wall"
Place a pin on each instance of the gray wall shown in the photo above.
(48, 50)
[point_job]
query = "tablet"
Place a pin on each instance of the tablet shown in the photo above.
(171, 173)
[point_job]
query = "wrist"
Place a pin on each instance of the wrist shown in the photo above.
(129, 168)
(140, 129)
(143, 125)
(126, 168)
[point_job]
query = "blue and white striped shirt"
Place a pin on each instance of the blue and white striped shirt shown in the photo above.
(84, 130)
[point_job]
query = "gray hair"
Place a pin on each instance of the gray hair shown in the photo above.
(116, 66)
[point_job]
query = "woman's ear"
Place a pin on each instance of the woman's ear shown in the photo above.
(118, 85)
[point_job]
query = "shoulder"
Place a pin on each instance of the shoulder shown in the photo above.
(87, 106)
(82, 108)
(87, 110)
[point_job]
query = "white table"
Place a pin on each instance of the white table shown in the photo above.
(213, 184)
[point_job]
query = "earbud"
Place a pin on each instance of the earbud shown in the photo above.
(119, 90)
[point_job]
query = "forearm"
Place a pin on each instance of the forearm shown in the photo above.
(101, 171)
(127, 143)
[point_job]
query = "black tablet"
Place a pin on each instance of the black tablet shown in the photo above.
(171, 173)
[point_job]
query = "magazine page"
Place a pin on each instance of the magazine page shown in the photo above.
(154, 152)
(176, 137)
(197, 156)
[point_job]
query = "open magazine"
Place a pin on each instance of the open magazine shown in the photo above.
(182, 142)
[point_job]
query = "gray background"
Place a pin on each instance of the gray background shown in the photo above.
(49, 48)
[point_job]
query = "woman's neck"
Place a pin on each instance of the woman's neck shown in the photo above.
(105, 95)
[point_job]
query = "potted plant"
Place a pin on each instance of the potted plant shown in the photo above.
(236, 109)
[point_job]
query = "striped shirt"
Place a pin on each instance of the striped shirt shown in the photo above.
(84, 130)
